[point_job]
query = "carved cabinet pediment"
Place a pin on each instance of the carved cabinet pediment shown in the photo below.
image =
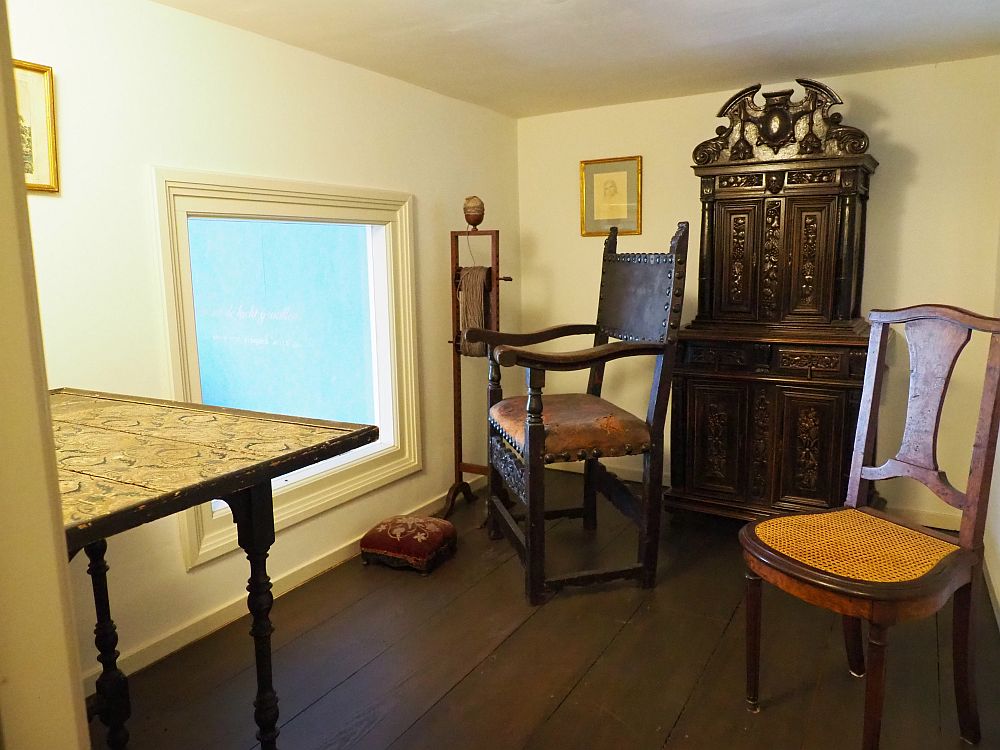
(769, 373)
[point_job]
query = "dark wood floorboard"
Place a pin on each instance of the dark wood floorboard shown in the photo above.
(371, 658)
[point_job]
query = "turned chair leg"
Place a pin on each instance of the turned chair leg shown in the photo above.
(874, 685)
(753, 640)
(965, 684)
(853, 645)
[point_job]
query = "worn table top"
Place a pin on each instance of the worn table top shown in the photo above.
(125, 460)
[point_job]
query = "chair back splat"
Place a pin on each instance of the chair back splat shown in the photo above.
(935, 338)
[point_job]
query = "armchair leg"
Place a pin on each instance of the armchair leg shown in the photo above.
(874, 685)
(494, 492)
(753, 640)
(965, 685)
(534, 563)
(853, 645)
(534, 442)
(589, 494)
(649, 533)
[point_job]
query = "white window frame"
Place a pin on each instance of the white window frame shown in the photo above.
(182, 194)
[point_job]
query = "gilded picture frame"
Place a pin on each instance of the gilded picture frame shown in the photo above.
(36, 114)
(611, 196)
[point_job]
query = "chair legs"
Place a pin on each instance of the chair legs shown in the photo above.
(652, 510)
(590, 469)
(853, 645)
(753, 640)
(874, 685)
(965, 687)
(495, 489)
(534, 541)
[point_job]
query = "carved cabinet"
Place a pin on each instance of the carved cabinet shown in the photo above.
(768, 377)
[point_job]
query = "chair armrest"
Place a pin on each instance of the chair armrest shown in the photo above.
(576, 360)
(496, 338)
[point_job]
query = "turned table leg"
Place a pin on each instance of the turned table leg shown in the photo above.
(113, 704)
(254, 518)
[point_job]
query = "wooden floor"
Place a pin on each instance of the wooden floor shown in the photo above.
(368, 657)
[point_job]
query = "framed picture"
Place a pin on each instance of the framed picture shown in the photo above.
(611, 196)
(36, 114)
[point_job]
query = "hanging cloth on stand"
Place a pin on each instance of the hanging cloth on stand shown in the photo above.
(472, 288)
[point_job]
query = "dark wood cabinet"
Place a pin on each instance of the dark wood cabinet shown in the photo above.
(769, 373)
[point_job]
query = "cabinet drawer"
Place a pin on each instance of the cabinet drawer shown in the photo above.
(819, 362)
(716, 356)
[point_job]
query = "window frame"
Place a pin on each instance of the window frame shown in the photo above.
(182, 194)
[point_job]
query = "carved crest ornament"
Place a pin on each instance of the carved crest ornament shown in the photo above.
(781, 128)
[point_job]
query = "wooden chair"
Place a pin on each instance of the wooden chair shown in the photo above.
(866, 565)
(640, 305)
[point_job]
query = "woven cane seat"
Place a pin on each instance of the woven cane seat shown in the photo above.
(855, 545)
(577, 426)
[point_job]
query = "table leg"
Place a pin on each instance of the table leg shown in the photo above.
(254, 517)
(113, 704)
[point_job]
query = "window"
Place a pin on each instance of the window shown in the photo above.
(271, 284)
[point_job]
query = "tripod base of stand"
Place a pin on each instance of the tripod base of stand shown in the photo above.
(449, 503)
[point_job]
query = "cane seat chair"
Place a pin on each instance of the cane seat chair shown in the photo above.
(865, 565)
(640, 306)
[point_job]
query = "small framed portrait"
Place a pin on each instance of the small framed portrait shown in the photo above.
(611, 196)
(36, 115)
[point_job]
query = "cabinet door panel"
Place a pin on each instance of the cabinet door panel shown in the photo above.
(763, 444)
(738, 234)
(717, 423)
(811, 248)
(812, 423)
(772, 261)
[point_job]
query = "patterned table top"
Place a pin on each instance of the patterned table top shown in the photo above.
(125, 460)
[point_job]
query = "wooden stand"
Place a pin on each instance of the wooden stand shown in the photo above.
(491, 322)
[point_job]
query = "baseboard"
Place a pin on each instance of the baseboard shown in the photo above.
(935, 519)
(151, 652)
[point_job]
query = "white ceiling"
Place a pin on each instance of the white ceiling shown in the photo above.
(528, 57)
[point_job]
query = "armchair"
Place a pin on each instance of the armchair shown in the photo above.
(640, 306)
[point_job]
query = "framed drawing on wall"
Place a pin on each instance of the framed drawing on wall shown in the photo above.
(36, 114)
(611, 196)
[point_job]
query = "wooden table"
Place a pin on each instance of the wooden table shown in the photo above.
(124, 461)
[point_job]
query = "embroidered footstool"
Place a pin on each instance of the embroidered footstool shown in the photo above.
(417, 542)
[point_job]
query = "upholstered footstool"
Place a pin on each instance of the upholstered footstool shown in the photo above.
(417, 542)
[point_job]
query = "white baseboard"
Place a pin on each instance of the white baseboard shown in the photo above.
(153, 651)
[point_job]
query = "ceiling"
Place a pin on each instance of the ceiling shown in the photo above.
(529, 57)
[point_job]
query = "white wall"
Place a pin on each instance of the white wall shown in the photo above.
(932, 221)
(38, 707)
(140, 85)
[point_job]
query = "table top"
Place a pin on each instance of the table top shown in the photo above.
(127, 460)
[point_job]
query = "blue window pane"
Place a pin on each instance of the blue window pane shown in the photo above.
(282, 315)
